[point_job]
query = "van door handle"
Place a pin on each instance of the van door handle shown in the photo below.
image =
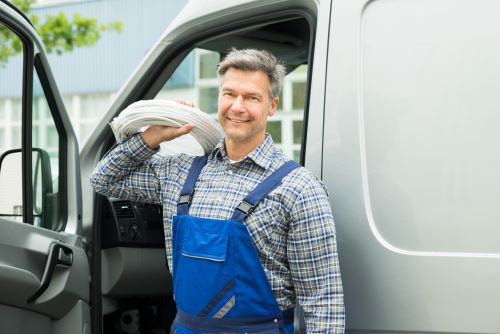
(58, 254)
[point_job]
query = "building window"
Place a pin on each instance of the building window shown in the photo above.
(17, 111)
(299, 91)
(296, 155)
(208, 99)
(274, 128)
(297, 131)
(16, 136)
(208, 65)
(93, 105)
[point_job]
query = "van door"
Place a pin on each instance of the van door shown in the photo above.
(44, 272)
(411, 152)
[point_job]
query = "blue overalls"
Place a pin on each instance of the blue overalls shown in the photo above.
(219, 283)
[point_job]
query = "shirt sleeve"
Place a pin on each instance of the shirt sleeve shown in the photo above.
(314, 264)
(130, 171)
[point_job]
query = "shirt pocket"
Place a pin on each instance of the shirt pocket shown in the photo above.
(205, 245)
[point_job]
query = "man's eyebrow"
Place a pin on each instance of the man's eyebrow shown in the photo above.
(252, 94)
(258, 95)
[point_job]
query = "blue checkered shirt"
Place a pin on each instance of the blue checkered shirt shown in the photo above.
(292, 228)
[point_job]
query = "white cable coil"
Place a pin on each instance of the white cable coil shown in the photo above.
(144, 113)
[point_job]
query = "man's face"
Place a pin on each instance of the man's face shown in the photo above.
(244, 106)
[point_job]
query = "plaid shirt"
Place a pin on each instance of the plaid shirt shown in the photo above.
(292, 228)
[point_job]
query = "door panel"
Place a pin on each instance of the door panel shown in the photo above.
(23, 253)
(39, 212)
(32, 322)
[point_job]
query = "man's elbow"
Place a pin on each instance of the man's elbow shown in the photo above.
(97, 182)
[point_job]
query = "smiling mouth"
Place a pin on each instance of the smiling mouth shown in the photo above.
(239, 121)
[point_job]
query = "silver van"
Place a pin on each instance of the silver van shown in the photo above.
(393, 104)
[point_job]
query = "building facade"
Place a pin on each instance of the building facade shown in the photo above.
(89, 78)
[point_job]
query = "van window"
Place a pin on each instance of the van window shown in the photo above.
(45, 142)
(45, 137)
(286, 126)
(11, 200)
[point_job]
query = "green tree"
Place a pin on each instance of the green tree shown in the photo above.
(59, 33)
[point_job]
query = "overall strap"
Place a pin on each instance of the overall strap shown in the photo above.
(188, 188)
(249, 203)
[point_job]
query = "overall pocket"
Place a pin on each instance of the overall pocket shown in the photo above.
(203, 268)
(205, 246)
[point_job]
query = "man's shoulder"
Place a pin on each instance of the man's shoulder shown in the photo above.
(303, 176)
(179, 163)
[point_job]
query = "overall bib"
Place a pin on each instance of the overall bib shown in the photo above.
(219, 283)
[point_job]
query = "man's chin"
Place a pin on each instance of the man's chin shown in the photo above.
(235, 137)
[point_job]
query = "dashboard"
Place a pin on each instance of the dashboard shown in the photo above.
(132, 224)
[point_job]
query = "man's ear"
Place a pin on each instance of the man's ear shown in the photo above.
(274, 105)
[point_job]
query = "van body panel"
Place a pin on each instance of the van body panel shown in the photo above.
(396, 94)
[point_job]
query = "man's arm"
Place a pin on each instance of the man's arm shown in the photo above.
(131, 170)
(312, 253)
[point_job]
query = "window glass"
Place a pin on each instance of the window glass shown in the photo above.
(11, 72)
(16, 112)
(45, 172)
(208, 65)
(274, 128)
(16, 136)
(280, 103)
(297, 131)
(52, 136)
(93, 104)
(299, 90)
(35, 133)
(68, 103)
(85, 130)
(291, 111)
(285, 126)
(208, 99)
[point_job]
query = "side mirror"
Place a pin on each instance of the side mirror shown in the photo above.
(11, 199)
(11, 185)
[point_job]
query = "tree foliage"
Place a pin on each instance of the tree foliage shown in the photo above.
(59, 33)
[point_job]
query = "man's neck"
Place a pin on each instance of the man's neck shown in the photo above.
(237, 150)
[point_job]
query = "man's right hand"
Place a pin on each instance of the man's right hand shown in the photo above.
(156, 134)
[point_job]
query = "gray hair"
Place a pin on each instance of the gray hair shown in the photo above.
(255, 60)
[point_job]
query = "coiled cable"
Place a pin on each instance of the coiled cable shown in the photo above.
(145, 113)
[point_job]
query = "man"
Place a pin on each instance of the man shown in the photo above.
(247, 231)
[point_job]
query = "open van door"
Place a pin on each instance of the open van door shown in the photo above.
(44, 271)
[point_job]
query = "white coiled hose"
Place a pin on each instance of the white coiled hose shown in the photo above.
(145, 113)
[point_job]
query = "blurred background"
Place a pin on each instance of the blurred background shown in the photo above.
(89, 69)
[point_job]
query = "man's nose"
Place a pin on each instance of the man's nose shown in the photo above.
(237, 104)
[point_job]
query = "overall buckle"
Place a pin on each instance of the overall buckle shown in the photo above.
(246, 207)
(185, 199)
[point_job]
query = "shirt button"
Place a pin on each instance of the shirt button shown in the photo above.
(230, 172)
(220, 199)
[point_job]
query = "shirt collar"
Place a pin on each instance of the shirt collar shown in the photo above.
(262, 155)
